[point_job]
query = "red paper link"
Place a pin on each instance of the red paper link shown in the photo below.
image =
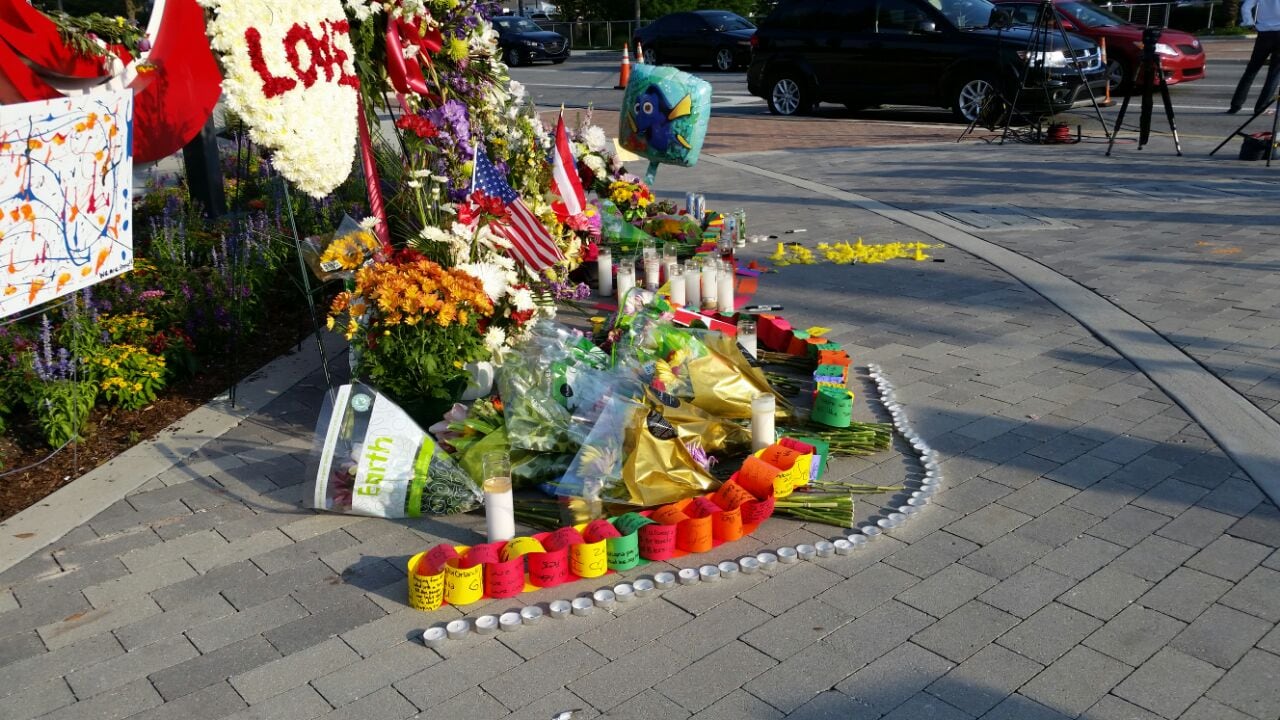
(756, 512)
(551, 568)
(434, 561)
(658, 542)
(803, 448)
(780, 456)
(598, 530)
(504, 579)
(481, 554)
(561, 539)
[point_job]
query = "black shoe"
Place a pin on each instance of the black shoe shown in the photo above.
(1233, 110)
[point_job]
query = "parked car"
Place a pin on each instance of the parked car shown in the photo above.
(522, 41)
(869, 52)
(715, 37)
(1181, 55)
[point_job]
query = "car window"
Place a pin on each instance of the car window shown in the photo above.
(898, 16)
(1092, 16)
(797, 14)
(512, 24)
(965, 13)
(726, 21)
(685, 23)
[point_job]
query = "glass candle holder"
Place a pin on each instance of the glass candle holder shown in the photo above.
(499, 506)
(675, 281)
(747, 337)
(626, 281)
(763, 408)
(604, 272)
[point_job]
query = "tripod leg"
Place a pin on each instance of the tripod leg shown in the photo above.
(1243, 125)
(1124, 107)
(1275, 121)
(1168, 111)
(1144, 120)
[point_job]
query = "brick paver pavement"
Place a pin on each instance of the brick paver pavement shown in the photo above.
(1093, 554)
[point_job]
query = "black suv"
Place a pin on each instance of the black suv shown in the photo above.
(943, 53)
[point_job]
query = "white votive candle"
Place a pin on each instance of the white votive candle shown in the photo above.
(604, 270)
(652, 268)
(693, 288)
(675, 279)
(626, 280)
(724, 294)
(709, 286)
(499, 509)
(763, 408)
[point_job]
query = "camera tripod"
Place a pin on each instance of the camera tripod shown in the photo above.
(997, 110)
(1275, 124)
(1149, 74)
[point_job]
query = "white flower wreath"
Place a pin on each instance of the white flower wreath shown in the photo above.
(290, 75)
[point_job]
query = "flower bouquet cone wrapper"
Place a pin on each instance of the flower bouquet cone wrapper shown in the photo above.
(370, 458)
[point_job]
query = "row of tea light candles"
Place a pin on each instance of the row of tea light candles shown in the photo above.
(708, 286)
(607, 598)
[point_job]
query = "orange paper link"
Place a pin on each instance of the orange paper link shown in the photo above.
(726, 525)
(731, 495)
(756, 477)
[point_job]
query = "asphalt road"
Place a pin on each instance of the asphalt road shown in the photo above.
(1199, 107)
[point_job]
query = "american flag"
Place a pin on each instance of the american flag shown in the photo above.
(530, 241)
(564, 172)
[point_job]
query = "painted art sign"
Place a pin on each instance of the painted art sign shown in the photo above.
(66, 169)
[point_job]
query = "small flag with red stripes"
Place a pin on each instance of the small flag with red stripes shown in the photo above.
(530, 241)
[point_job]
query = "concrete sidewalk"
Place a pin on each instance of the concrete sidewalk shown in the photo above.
(1094, 552)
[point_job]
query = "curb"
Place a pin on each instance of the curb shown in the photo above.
(80, 500)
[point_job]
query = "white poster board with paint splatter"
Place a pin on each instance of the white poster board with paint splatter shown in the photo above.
(66, 211)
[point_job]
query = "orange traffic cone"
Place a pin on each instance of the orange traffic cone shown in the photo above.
(639, 52)
(624, 73)
(1106, 100)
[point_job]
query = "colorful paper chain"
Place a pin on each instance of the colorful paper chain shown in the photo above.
(461, 575)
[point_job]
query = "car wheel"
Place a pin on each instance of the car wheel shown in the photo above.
(1117, 75)
(789, 96)
(724, 60)
(512, 57)
(971, 98)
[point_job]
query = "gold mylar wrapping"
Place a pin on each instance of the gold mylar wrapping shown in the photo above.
(724, 383)
(692, 424)
(658, 469)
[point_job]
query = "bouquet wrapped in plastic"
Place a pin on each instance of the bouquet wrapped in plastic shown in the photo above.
(373, 459)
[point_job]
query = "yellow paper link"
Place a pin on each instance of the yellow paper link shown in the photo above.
(589, 560)
(817, 331)
(463, 586)
(517, 547)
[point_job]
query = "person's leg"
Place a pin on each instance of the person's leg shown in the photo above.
(1261, 52)
(1272, 82)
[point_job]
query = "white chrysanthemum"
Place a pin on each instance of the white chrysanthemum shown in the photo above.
(313, 150)
(494, 340)
(517, 92)
(369, 223)
(522, 299)
(491, 276)
(595, 162)
(595, 138)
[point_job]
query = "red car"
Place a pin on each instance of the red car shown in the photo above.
(1181, 56)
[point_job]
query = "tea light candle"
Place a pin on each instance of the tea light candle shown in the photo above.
(582, 606)
(559, 608)
(842, 546)
(763, 408)
(530, 614)
(664, 580)
(486, 624)
(724, 292)
(871, 531)
(856, 539)
(749, 565)
(805, 552)
(675, 282)
(604, 271)
(624, 592)
(604, 598)
(692, 287)
(824, 548)
(457, 628)
(788, 555)
(709, 573)
(434, 637)
(728, 569)
(643, 587)
(767, 560)
(509, 621)
(626, 280)
(688, 576)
